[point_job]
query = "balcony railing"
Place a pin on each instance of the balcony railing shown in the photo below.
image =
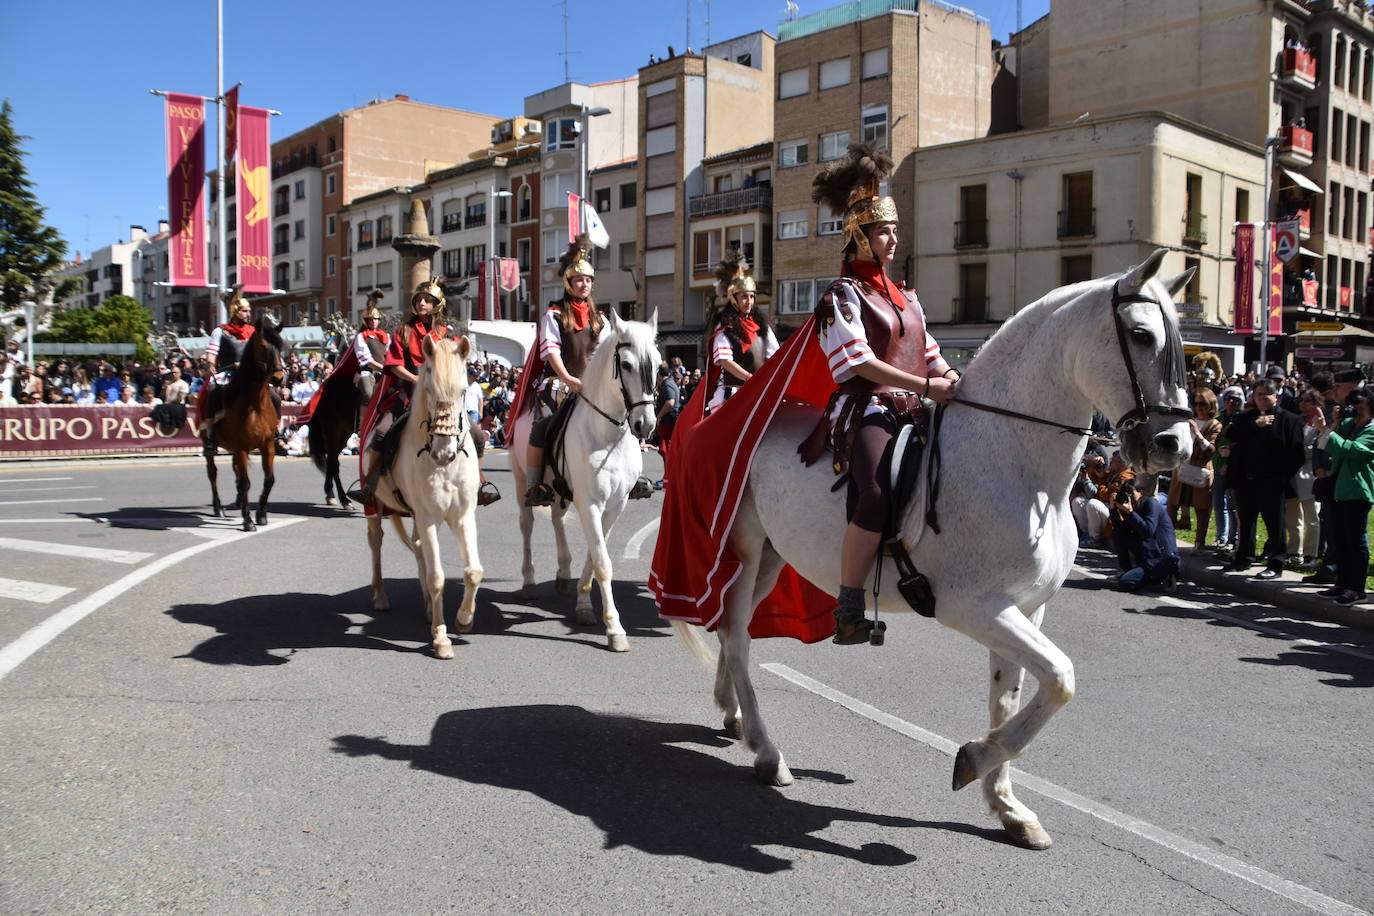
(971, 233)
(281, 247)
(738, 201)
(452, 222)
(1077, 224)
(1195, 228)
(364, 244)
(283, 209)
(1299, 68)
(384, 238)
(971, 309)
(475, 220)
(1296, 145)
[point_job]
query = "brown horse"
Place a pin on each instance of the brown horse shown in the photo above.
(250, 418)
(334, 420)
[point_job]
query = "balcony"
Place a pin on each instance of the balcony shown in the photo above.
(1078, 224)
(1295, 146)
(281, 247)
(452, 222)
(364, 244)
(1298, 70)
(971, 309)
(282, 209)
(475, 220)
(738, 201)
(971, 233)
(1194, 229)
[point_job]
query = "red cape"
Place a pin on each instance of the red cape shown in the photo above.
(693, 566)
(342, 374)
(530, 375)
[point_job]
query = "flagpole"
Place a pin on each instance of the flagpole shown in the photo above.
(223, 231)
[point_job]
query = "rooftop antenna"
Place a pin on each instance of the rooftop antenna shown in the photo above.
(792, 10)
(708, 27)
(567, 51)
(689, 26)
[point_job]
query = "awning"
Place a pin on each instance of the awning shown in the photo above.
(1302, 181)
(1309, 252)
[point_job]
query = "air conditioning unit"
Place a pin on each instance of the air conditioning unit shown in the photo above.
(501, 133)
(531, 129)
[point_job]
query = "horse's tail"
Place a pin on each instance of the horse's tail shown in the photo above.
(695, 642)
(333, 412)
(319, 453)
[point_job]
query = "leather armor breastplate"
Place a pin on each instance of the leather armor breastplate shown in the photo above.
(749, 360)
(231, 351)
(898, 338)
(377, 347)
(577, 350)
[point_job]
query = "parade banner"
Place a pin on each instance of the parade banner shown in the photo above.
(1275, 289)
(231, 124)
(482, 293)
(508, 274)
(1245, 274)
(57, 430)
(574, 217)
(1310, 289)
(255, 200)
(186, 188)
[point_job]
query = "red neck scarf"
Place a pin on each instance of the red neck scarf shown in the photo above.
(581, 312)
(415, 340)
(875, 275)
(240, 331)
(748, 328)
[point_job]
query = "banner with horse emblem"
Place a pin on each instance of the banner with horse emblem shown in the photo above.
(254, 194)
(1245, 278)
(186, 188)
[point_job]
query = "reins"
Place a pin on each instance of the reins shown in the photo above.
(624, 394)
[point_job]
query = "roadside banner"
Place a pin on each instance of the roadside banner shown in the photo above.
(58, 430)
(255, 199)
(186, 188)
(1245, 278)
(1275, 289)
(231, 125)
(574, 217)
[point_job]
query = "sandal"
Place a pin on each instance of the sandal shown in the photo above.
(642, 489)
(487, 493)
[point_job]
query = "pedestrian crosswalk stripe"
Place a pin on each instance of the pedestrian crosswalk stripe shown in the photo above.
(37, 592)
(31, 502)
(74, 550)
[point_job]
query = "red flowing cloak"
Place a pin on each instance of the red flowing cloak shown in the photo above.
(529, 378)
(709, 466)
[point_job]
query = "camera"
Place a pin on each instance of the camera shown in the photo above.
(1347, 411)
(1123, 496)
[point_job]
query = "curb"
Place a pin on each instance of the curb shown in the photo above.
(1288, 591)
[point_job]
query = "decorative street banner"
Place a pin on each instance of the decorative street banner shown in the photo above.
(574, 217)
(1245, 278)
(109, 429)
(186, 187)
(1275, 289)
(1310, 289)
(1286, 238)
(254, 194)
(508, 274)
(231, 124)
(482, 295)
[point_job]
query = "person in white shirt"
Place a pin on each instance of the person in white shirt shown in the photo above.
(741, 338)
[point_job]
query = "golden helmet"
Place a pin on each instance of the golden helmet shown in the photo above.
(234, 298)
(733, 276)
(850, 187)
(576, 261)
(433, 287)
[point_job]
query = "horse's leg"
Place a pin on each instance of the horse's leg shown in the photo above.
(269, 459)
(562, 578)
(1015, 638)
(212, 472)
(595, 524)
(1004, 698)
(375, 535)
(241, 485)
(770, 564)
(431, 570)
(472, 570)
(333, 473)
(331, 468)
(528, 590)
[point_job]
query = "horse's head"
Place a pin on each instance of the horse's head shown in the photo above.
(636, 368)
(1140, 382)
(441, 383)
(264, 348)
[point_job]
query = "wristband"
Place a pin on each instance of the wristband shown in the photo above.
(927, 394)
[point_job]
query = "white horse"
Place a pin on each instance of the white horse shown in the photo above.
(434, 477)
(1007, 539)
(613, 413)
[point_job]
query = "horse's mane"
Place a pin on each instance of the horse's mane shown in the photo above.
(247, 378)
(443, 374)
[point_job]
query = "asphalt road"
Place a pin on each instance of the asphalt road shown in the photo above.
(196, 720)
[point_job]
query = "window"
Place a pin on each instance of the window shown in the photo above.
(283, 272)
(722, 183)
(1333, 200)
(873, 125)
(971, 231)
(741, 238)
(1075, 269)
(365, 278)
(330, 184)
(629, 195)
(797, 297)
(298, 270)
(557, 187)
(705, 251)
(300, 190)
(522, 254)
(473, 256)
(601, 258)
(792, 224)
(660, 140)
(281, 242)
(313, 312)
(451, 218)
(550, 246)
(794, 83)
(1076, 219)
(627, 254)
(331, 303)
(835, 73)
(1242, 205)
(329, 224)
(475, 210)
(875, 63)
(365, 235)
(384, 230)
(299, 229)
(283, 203)
(791, 153)
(1193, 291)
(601, 200)
(560, 133)
(384, 275)
(833, 146)
(330, 266)
(452, 260)
(972, 304)
(525, 205)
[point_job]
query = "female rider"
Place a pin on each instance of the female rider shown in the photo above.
(742, 338)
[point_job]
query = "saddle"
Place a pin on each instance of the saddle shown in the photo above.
(554, 436)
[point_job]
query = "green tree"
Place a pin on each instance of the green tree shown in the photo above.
(119, 319)
(29, 249)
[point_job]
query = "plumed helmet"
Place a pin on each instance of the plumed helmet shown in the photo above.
(732, 275)
(576, 261)
(434, 287)
(372, 311)
(235, 297)
(850, 188)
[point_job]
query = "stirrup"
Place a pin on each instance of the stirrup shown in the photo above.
(856, 632)
(539, 494)
(487, 493)
(642, 489)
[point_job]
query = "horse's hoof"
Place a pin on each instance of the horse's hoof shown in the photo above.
(618, 643)
(329, 500)
(773, 774)
(444, 651)
(733, 728)
(964, 770)
(462, 627)
(249, 526)
(1029, 836)
(381, 607)
(261, 520)
(529, 592)
(345, 504)
(219, 513)
(563, 586)
(584, 616)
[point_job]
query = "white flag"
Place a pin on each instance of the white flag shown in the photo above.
(591, 225)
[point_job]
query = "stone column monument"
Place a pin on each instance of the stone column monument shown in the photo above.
(416, 248)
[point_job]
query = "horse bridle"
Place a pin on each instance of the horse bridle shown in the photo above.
(443, 420)
(1142, 410)
(624, 394)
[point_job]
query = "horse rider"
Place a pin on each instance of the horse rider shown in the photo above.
(370, 346)
(405, 355)
(882, 357)
(568, 333)
(741, 337)
(228, 343)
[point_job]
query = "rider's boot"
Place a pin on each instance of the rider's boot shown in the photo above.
(852, 627)
(538, 493)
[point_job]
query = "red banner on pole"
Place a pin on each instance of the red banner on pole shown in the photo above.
(1309, 292)
(186, 187)
(1275, 299)
(574, 217)
(482, 290)
(231, 123)
(509, 274)
(255, 201)
(1245, 278)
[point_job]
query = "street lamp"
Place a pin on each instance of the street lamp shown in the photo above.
(586, 114)
(493, 285)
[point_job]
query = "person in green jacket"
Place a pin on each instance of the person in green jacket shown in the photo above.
(1351, 449)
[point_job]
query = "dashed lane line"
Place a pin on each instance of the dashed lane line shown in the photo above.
(1298, 893)
(45, 489)
(74, 550)
(35, 502)
(17, 652)
(31, 479)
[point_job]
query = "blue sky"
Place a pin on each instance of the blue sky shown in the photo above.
(78, 80)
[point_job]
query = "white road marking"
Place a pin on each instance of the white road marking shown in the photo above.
(27, 490)
(34, 502)
(45, 521)
(74, 550)
(1206, 611)
(31, 479)
(37, 592)
(15, 653)
(637, 542)
(1298, 893)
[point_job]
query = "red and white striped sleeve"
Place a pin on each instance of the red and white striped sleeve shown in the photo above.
(933, 356)
(844, 341)
(550, 334)
(720, 347)
(216, 338)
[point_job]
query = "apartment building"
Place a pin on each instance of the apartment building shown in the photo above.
(692, 107)
(107, 271)
(614, 192)
(899, 74)
(172, 307)
(1001, 221)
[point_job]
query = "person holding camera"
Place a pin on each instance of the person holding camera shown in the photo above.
(1266, 451)
(1145, 541)
(1098, 483)
(1350, 446)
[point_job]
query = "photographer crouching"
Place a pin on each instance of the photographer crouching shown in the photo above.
(1145, 543)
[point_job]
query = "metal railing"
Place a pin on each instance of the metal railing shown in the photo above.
(737, 201)
(971, 233)
(452, 222)
(1195, 228)
(1076, 224)
(971, 308)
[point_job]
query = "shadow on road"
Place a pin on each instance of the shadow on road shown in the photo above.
(163, 518)
(630, 778)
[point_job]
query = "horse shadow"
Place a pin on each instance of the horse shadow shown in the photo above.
(166, 518)
(712, 815)
(638, 611)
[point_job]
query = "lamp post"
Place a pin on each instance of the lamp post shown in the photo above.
(493, 286)
(586, 115)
